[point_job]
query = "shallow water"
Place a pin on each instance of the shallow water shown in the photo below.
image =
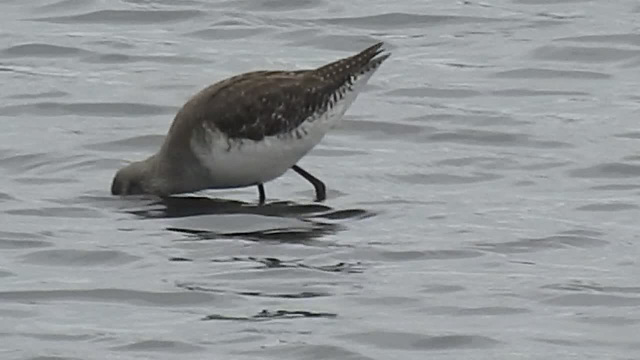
(483, 190)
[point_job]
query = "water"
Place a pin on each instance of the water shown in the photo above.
(483, 191)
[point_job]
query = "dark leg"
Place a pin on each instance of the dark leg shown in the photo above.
(321, 189)
(261, 194)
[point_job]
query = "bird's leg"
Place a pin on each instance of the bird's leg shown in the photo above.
(262, 196)
(321, 189)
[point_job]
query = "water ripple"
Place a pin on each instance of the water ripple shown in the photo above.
(12, 244)
(420, 342)
(607, 170)
(227, 33)
(121, 109)
(74, 257)
(405, 20)
(542, 73)
(447, 179)
(584, 54)
(133, 17)
(48, 357)
(562, 241)
(120, 58)
(136, 143)
(61, 212)
(434, 92)
(265, 315)
(132, 297)
(494, 138)
(45, 50)
(609, 206)
(532, 92)
(307, 294)
(593, 300)
(163, 346)
(306, 351)
(61, 5)
(45, 94)
(478, 311)
(626, 39)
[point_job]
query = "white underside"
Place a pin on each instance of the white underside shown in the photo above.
(248, 162)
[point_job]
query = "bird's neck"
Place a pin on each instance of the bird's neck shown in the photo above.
(175, 173)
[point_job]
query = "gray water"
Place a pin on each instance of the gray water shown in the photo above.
(483, 190)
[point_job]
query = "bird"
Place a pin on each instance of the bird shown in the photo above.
(249, 129)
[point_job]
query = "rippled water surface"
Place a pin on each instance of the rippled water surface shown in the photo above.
(483, 190)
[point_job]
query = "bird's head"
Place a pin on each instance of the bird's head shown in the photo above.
(131, 179)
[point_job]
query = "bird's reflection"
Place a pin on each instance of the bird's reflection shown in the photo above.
(313, 220)
(178, 206)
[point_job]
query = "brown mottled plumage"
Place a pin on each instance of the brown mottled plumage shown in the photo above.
(259, 108)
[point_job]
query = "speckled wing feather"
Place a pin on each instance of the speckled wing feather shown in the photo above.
(266, 103)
